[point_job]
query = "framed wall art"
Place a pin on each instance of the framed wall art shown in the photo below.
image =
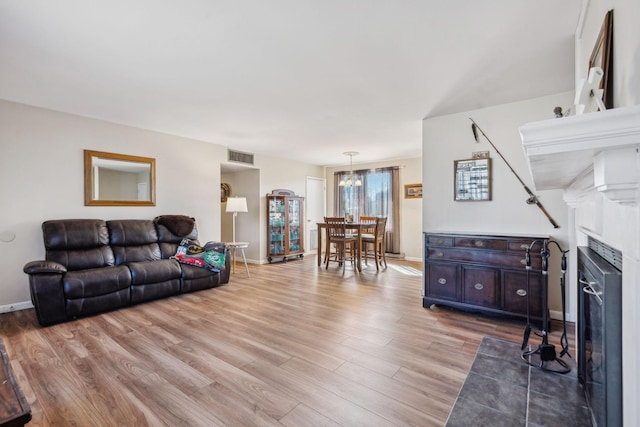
(413, 191)
(472, 180)
(601, 56)
(225, 191)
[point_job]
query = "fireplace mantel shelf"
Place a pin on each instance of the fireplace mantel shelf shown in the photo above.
(605, 143)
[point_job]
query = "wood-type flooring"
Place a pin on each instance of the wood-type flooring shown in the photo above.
(294, 345)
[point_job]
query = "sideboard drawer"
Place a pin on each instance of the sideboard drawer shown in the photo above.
(436, 240)
(480, 286)
(517, 293)
(498, 258)
(522, 245)
(442, 280)
(481, 243)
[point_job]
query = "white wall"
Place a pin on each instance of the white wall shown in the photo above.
(449, 138)
(41, 178)
(244, 183)
(410, 209)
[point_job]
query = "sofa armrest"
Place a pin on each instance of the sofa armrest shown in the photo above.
(46, 289)
(40, 267)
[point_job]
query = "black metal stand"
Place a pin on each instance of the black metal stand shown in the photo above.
(546, 352)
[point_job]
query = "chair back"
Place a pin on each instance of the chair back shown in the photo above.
(381, 226)
(336, 227)
(370, 227)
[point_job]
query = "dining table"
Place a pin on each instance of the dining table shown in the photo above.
(351, 226)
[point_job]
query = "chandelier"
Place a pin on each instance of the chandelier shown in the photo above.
(349, 182)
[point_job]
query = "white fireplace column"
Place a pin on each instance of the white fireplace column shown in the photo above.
(595, 159)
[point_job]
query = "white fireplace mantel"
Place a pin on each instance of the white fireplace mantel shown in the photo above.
(594, 158)
(604, 145)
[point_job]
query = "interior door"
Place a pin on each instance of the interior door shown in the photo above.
(316, 205)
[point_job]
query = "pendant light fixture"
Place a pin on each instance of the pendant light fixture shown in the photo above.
(349, 181)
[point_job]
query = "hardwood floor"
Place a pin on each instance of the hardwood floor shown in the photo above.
(294, 345)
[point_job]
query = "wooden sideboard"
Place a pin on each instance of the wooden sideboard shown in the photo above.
(14, 408)
(483, 273)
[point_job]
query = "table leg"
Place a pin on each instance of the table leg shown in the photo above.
(319, 245)
(246, 267)
(358, 250)
(233, 260)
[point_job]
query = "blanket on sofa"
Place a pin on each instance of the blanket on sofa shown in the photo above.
(180, 225)
(210, 256)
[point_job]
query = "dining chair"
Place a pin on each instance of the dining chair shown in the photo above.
(345, 244)
(370, 226)
(377, 240)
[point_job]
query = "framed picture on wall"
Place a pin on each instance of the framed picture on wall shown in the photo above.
(601, 57)
(413, 191)
(472, 180)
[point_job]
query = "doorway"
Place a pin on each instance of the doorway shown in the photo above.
(316, 206)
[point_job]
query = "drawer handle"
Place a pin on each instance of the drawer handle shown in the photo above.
(440, 241)
(524, 246)
(442, 281)
(479, 286)
(439, 254)
(521, 293)
(523, 261)
(479, 243)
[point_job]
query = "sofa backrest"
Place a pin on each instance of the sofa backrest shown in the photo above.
(78, 244)
(169, 242)
(134, 240)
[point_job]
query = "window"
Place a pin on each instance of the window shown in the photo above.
(378, 195)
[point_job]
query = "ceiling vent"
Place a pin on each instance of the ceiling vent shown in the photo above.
(240, 157)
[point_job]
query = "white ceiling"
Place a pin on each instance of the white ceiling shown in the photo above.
(298, 79)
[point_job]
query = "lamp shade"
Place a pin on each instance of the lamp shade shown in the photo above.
(236, 204)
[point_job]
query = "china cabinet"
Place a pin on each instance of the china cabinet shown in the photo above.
(285, 225)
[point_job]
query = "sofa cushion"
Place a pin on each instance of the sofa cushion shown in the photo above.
(134, 240)
(99, 304)
(96, 281)
(154, 271)
(68, 234)
(78, 244)
(83, 259)
(154, 279)
(198, 278)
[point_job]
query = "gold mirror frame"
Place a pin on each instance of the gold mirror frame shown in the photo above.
(141, 169)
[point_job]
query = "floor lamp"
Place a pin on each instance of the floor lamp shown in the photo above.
(235, 205)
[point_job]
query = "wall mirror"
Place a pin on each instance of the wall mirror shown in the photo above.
(112, 179)
(472, 180)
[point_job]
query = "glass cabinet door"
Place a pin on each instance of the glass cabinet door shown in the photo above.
(294, 225)
(277, 226)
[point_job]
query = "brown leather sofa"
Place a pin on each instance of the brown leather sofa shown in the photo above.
(93, 266)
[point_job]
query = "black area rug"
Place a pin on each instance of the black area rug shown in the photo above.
(502, 390)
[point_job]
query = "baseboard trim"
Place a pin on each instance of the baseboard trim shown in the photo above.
(16, 306)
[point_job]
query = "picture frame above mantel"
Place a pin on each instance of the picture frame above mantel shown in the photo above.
(601, 56)
(112, 179)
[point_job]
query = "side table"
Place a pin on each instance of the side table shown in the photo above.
(234, 246)
(14, 408)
